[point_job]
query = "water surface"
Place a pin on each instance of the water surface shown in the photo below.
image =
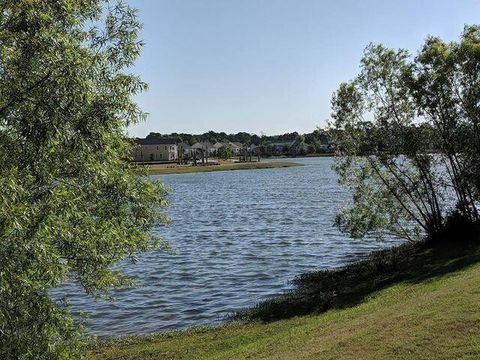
(239, 237)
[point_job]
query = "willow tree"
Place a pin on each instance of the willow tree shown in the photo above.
(70, 204)
(408, 135)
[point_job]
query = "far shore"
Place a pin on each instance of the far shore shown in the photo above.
(170, 169)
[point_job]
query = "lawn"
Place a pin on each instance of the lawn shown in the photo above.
(434, 315)
(223, 166)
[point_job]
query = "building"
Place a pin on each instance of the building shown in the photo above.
(160, 150)
(220, 145)
(205, 147)
(184, 150)
(236, 147)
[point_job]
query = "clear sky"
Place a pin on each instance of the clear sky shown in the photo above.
(270, 66)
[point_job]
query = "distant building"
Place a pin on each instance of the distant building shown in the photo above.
(236, 147)
(156, 150)
(218, 145)
(184, 150)
(205, 147)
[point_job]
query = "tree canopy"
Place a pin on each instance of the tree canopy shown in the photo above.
(70, 204)
(407, 132)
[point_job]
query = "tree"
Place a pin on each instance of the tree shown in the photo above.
(386, 122)
(299, 146)
(225, 152)
(70, 203)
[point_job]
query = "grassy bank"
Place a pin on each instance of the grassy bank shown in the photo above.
(347, 286)
(426, 307)
(224, 166)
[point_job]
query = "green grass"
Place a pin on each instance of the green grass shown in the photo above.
(429, 312)
(175, 169)
(347, 286)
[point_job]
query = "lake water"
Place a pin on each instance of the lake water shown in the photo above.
(239, 237)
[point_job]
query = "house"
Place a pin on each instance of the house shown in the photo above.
(184, 150)
(204, 147)
(219, 145)
(156, 150)
(236, 147)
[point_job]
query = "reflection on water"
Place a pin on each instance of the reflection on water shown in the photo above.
(239, 237)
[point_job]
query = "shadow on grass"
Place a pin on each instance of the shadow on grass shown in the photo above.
(347, 286)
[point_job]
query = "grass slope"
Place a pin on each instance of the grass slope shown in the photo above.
(175, 169)
(433, 316)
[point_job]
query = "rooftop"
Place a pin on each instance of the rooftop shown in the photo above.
(153, 141)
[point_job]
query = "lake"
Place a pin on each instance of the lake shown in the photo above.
(239, 237)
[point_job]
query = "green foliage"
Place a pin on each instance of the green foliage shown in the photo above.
(407, 130)
(70, 204)
(225, 152)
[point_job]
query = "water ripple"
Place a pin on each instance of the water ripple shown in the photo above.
(239, 237)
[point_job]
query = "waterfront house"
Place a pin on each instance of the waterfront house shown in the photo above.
(205, 147)
(236, 147)
(218, 145)
(229, 145)
(156, 150)
(184, 150)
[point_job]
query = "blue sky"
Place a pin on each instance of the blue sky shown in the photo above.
(269, 66)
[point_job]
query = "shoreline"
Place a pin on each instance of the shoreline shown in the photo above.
(380, 294)
(223, 166)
